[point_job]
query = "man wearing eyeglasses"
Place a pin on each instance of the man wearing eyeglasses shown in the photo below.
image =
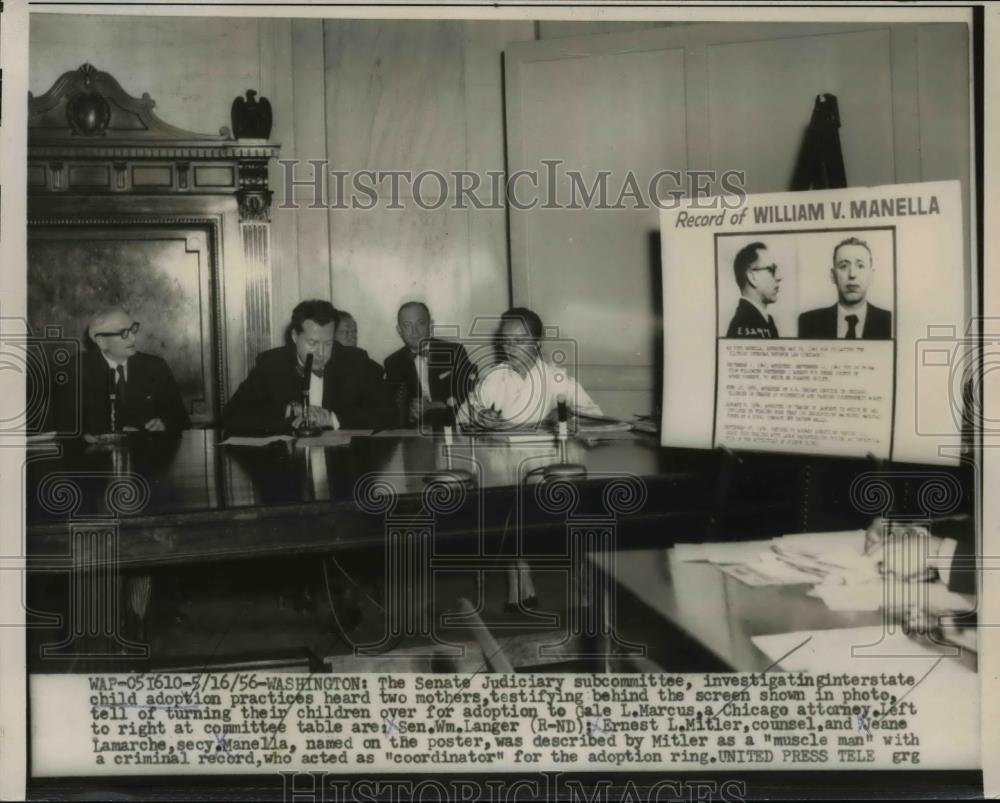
(853, 317)
(757, 277)
(124, 388)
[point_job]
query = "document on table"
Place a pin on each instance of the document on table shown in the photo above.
(890, 595)
(819, 543)
(768, 570)
(592, 436)
(728, 552)
(245, 440)
(399, 433)
(834, 558)
(326, 438)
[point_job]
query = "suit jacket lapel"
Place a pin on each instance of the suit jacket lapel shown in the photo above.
(330, 384)
(435, 367)
(410, 371)
(869, 328)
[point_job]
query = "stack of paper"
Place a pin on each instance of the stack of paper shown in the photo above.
(735, 552)
(834, 563)
(767, 571)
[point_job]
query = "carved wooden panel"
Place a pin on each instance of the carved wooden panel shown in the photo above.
(162, 274)
(126, 208)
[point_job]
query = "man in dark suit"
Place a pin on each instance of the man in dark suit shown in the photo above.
(122, 388)
(426, 371)
(346, 332)
(344, 389)
(757, 277)
(853, 317)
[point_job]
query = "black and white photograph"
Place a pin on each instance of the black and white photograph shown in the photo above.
(806, 284)
(493, 400)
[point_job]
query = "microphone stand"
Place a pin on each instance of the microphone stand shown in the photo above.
(450, 474)
(116, 435)
(306, 429)
(563, 469)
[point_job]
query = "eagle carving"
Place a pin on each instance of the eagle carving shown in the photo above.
(251, 117)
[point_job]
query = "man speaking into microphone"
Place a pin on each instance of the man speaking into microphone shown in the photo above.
(342, 387)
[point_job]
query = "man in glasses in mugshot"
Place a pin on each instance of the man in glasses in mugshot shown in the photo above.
(853, 317)
(123, 388)
(759, 281)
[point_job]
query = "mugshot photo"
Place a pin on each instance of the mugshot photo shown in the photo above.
(814, 285)
(846, 285)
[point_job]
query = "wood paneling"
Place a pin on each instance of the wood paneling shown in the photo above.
(705, 97)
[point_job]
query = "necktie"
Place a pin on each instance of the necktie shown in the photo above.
(852, 327)
(119, 397)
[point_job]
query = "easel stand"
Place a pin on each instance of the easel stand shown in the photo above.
(727, 464)
(821, 160)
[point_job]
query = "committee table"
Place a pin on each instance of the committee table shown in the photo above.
(174, 505)
(189, 498)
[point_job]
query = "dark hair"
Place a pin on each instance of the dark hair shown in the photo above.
(342, 315)
(316, 310)
(532, 323)
(745, 257)
(851, 241)
(407, 304)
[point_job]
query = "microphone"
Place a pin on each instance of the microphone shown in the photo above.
(306, 427)
(115, 433)
(113, 399)
(561, 413)
(306, 373)
(563, 468)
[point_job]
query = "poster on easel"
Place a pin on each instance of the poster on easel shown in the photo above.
(826, 322)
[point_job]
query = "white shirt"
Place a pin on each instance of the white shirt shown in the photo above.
(423, 374)
(114, 365)
(316, 398)
(315, 390)
(527, 400)
(842, 313)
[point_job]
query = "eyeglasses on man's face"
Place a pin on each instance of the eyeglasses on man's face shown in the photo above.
(122, 333)
(772, 269)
